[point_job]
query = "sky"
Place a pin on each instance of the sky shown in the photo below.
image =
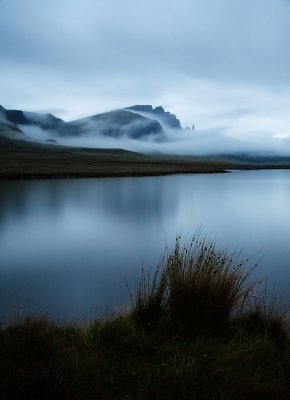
(223, 65)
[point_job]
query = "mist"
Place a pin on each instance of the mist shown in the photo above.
(209, 62)
(199, 142)
(188, 143)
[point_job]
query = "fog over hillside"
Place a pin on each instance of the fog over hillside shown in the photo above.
(141, 128)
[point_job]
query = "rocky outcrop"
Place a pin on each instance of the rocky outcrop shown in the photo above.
(165, 117)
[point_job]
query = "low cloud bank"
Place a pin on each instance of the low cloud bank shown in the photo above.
(148, 132)
(187, 142)
(179, 142)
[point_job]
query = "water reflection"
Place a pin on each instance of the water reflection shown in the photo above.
(67, 246)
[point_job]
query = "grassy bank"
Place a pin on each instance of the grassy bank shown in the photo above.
(23, 159)
(20, 159)
(195, 330)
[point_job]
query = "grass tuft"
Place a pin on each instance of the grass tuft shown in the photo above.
(198, 289)
(205, 287)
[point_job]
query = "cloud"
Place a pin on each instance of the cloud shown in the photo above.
(221, 39)
(198, 143)
(105, 133)
(214, 64)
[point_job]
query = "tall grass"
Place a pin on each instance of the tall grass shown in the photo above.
(199, 288)
(205, 286)
(148, 301)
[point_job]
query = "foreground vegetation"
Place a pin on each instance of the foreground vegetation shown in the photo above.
(196, 329)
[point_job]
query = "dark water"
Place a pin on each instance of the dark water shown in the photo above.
(68, 246)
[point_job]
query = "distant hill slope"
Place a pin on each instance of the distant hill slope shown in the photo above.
(116, 124)
(134, 122)
(44, 121)
(8, 128)
(28, 158)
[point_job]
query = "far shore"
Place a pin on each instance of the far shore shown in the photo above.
(109, 168)
(27, 160)
(121, 174)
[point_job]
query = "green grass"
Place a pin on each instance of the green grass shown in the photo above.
(194, 331)
(24, 159)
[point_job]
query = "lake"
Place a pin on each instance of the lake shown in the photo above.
(68, 246)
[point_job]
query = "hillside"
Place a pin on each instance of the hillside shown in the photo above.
(116, 124)
(24, 156)
(28, 159)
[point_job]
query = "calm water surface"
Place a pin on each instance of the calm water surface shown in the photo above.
(67, 247)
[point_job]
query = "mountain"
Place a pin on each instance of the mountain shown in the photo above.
(115, 124)
(118, 123)
(31, 133)
(43, 121)
(15, 124)
(164, 117)
(8, 128)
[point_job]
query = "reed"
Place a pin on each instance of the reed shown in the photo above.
(198, 288)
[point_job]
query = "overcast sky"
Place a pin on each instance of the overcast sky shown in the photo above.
(221, 64)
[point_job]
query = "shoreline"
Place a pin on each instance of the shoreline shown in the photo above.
(104, 175)
(22, 160)
(134, 173)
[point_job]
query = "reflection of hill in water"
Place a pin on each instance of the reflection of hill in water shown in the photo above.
(66, 246)
(19, 199)
(125, 199)
(142, 198)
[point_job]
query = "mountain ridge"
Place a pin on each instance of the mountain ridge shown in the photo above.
(125, 122)
(166, 117)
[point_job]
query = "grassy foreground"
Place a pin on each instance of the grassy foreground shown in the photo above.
(194, 331)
